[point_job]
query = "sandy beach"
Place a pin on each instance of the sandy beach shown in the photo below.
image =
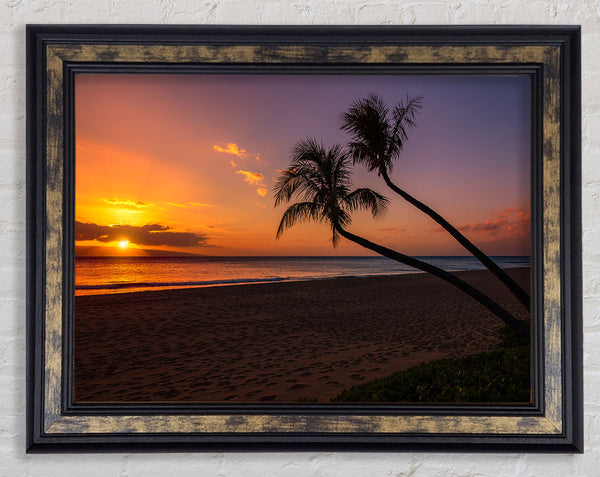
(276, 342)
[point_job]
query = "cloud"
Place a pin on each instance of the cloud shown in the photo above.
(231, 148)
(188, 204)
(392, 229)
(511, 220)
(151, 234)
(252, 177)
(255, 178)
(137, 204)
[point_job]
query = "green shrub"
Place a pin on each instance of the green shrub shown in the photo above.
(499, 376)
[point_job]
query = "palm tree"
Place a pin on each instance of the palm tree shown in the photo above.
(378, 137)
(320, 177)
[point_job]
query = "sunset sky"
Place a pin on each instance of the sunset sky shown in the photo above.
(187, 163)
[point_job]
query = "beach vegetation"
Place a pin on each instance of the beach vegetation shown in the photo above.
(495, 377)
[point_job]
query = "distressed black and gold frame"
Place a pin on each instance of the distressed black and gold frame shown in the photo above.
(549, 55)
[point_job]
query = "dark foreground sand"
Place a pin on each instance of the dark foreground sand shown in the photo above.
(279, 341)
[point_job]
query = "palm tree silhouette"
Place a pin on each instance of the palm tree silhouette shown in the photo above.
(378, 137)
(320, 177)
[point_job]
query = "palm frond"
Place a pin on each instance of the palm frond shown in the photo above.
(366, 198)
(286, 185)
(302, 177)
(378, 133)
(298, 212)
(307, 149)
(368, 121)
(404, 114)
(362, 153)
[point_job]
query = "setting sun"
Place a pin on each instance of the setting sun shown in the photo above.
(123, 243)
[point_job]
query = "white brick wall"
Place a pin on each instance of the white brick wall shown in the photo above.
(14, 14)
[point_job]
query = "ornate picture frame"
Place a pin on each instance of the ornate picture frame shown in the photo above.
(549, 55)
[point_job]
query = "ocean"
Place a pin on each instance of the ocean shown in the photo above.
(100, 275)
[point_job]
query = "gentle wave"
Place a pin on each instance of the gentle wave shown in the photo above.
(238, 281)
(112, 286)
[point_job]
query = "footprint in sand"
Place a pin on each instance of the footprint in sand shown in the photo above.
(170, 393)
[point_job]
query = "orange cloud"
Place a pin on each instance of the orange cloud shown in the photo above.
(188, 204)
(150, 234)
(233, 164)
(510, 220)
(127, 203)
(391, 229)
(252, 177)
(231, 148)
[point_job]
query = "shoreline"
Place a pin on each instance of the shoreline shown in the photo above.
(276, 342)
(119, 289)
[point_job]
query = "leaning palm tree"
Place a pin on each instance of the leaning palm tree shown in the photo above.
(320, 177)
(378, 138)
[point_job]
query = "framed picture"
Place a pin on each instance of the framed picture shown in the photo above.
(304, 238)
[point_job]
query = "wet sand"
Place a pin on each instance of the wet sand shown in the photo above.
(277, 342)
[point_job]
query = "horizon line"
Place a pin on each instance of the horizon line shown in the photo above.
(192, 255)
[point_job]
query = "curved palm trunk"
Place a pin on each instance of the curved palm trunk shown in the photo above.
(516, 290)
(486, 301)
